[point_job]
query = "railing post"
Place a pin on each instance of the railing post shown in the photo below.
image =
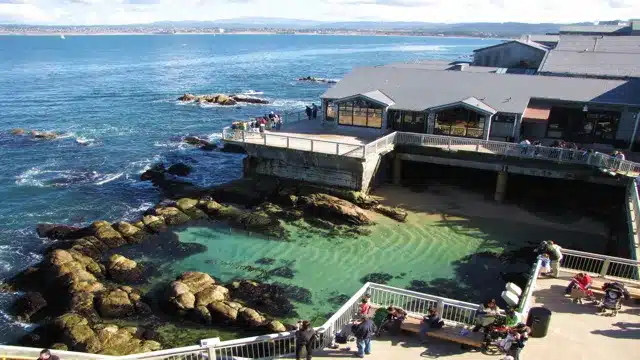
(242, 131)
(311, 145)
(561, 153)
(287, 142)
(478, 147)
(440, 308)
(605, 267)
(265, 138)
(449, 146)
(211, 352)
(337, 148)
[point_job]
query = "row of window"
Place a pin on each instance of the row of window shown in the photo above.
(360, 113)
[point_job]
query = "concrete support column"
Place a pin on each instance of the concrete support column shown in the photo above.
(501, 186)
(397, 170)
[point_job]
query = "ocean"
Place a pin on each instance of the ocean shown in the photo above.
(114, 100)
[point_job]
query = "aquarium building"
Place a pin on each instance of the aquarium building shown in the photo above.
(595, 113)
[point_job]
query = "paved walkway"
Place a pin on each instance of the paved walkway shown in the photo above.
(577, 332)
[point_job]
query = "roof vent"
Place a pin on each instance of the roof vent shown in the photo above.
(459, 67)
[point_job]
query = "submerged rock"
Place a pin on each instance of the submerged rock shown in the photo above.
(44, 135)
(60, 232)
(395, 213)
(222, 99)
(17, 131)
(179, 169)
(379, 278)
(30, 307)
(271, 298)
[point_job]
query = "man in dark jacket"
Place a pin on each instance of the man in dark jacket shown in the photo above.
(305, 337)
(46, 355)
(364, 329)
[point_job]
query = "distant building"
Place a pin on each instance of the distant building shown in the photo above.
(608, 57)
(615, 28)
(549, 41)
(511, 54)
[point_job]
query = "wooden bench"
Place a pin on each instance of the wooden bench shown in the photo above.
(450, 332)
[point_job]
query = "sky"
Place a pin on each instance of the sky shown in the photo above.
(112, 12)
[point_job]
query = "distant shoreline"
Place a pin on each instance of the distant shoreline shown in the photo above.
(249, 33)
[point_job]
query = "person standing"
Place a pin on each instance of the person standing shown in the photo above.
(364, 330)
(308, 111)
(305, 336)
(555, 254)
(314, 111)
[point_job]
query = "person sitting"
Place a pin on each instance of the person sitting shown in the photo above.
(432, 321)
(395, 318)
(545, 264)
(487, 314)
(581, 280)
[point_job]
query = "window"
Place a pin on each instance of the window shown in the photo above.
(504, 118)
(331, 110)
(460, 122)
(595, 126)
(360, 113)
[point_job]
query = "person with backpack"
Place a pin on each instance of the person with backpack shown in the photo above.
(305, 336)
(364, 329)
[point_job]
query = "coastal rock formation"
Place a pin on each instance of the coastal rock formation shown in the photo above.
(44, 135)
(30, 307)
(202, 143)
(59, 232)
(196, 296)
(79, 334)
(233, 148)
(179, 169)
(121, 302)
(171, 215)
(395, 213)
(70, 268)
(171, 186)
(124, 270)
(131, 233)
(107, 234)
(269, 298)
(222, 99)
(334, 209)
(17, 131)
(318, 80)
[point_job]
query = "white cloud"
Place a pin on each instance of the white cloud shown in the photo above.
(139, 11)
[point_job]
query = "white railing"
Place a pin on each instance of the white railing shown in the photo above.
(610, 267)
(295, 116)
(527, 293)
(448, 143)
(633, 218)
(293, 142)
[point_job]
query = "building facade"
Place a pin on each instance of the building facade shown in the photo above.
(512, 54)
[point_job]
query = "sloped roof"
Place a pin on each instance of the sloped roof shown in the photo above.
(592, 29)
(532, 44)
(619, 65)
(419, 89)
(599, 43)
(540, 38)
(378, 96)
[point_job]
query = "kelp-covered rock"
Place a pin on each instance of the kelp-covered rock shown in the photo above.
(132, 234)
(334, 209)
(190, 207)
(74, 270)
(223, 311)
(107, 234)
(155, 224)
(251, 317)
(194, 289)
(121, 302)
(379, 278)
(79, 334)
(172, 215)
(60, 232)
(124, 270)
(196, 281)
(395, 213)
(276, 326)
(179, 169)
(82, 303)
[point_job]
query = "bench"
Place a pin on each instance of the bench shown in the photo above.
(449, 332)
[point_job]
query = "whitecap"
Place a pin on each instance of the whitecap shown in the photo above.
(291, 104)
(252, 92)
(85, 141)
(108, 178)
(10, 319)
(132, 212)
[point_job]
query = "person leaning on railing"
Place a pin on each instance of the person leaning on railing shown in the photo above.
(305, 337)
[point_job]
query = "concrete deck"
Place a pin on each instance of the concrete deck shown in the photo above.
(577, 332)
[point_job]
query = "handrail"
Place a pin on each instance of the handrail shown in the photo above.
(600, 257)
(527, 294)
(633, 218)
(610, 267)
(451, 143)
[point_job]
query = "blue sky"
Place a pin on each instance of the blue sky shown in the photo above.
(90, 12)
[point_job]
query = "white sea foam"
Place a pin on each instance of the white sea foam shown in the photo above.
(290, 104)
(13, 321)
(132, 212)
(252, 92)
(85, 141)
(61, 178)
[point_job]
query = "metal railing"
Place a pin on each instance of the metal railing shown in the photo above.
(449, 143)
(610, 267)
(527, 293)
(293, 142)
(290, 117)
(633, 218)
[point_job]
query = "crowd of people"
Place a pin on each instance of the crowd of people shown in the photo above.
(268, 121)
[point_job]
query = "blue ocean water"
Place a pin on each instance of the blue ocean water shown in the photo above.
(118, 95)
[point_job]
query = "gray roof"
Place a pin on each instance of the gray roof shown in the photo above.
(441, 65)
(419, 89)
(592, 63)
(532, 44)
(593, 29)
(618, 44)
(540, 38)
(378, 96)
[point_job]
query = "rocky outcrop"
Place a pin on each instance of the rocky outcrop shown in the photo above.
(202, 143)
(124, 270)
(196, 295)
(179, 169)
(172, 215)
(44, 135)
(30, 307)
(171, 186)
(75, 271)
(121, 302)
(318, 80)
(222, 99)
(395, 213)
(79, 334)
(269, 298)
(17, 131)
(59, 232)
(131, 233)
(104, 232)
(334, 209)
(233, 148)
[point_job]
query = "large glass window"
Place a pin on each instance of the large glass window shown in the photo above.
(594, 126)
(331, 111)
(460, 122)
(360, 113)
